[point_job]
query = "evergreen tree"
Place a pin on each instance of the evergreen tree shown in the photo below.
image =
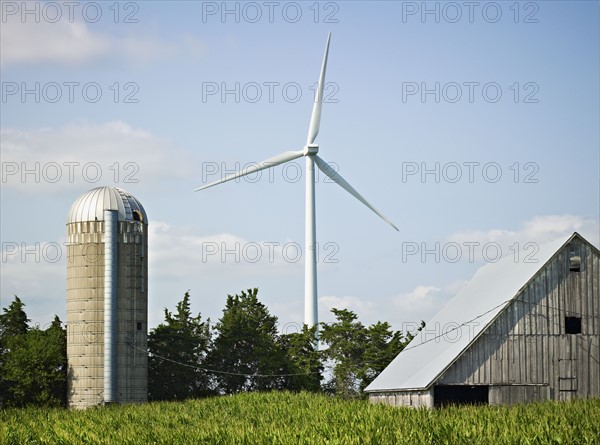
(247, 345)
(34, 361)
(302, 359)
(181, 339)
(381, 347)
(358, 354)
(346, 339)
(13, 321)
(56, 335)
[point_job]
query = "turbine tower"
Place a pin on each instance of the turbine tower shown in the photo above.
(309, 151)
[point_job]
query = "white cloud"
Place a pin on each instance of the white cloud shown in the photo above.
(361, 307)
(194, 46)
(179, 251)
(183, 256)
(425, 300)
(549, 227)
(71, 41)
(79, 153)
(62, 42)
(538, 230)
(213, 265)
(421, 302)
(403, 311)
(35, 272)
(144, 49)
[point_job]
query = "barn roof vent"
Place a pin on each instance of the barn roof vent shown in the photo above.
(575, 263)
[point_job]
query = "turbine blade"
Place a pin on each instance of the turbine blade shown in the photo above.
(315, 119)
(329, 171)
(271, 162)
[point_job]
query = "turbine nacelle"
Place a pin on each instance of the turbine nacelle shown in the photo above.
(311, 149)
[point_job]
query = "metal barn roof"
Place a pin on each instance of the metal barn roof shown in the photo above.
(463, 318)
(91, 205)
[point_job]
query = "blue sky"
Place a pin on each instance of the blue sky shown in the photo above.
(508, 131)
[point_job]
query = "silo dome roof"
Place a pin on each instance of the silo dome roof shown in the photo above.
(91, 205)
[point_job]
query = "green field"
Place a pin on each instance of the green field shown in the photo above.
(286, 418)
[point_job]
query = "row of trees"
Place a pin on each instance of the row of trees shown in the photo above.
(242, 352)
(190, 358)
(245, 352)
(33, 361)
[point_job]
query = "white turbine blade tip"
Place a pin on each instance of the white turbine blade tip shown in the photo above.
(315, 118)
(392, 224)
(329, 171)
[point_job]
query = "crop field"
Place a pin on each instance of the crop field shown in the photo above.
(288, 418)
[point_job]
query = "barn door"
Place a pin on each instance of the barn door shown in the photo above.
(567, 367)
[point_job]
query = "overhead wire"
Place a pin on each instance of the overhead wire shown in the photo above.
(216, 371)
(407, 347)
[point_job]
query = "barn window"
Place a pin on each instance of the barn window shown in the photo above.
(572, 325)
(139, 325)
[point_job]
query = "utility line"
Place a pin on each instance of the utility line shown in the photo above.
(152, 354)
(408, 347)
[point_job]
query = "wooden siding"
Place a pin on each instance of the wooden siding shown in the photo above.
(415, 399)
(525, 354)
(527, 344)
(510, 395)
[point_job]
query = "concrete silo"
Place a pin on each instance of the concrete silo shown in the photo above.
(107, 299)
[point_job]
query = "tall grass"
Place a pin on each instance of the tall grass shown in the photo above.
(287, 418)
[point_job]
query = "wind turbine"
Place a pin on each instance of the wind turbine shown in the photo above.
(309, 151)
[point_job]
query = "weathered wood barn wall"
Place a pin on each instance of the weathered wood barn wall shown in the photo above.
(543, 345)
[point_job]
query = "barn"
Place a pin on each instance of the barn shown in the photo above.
(524, 328)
